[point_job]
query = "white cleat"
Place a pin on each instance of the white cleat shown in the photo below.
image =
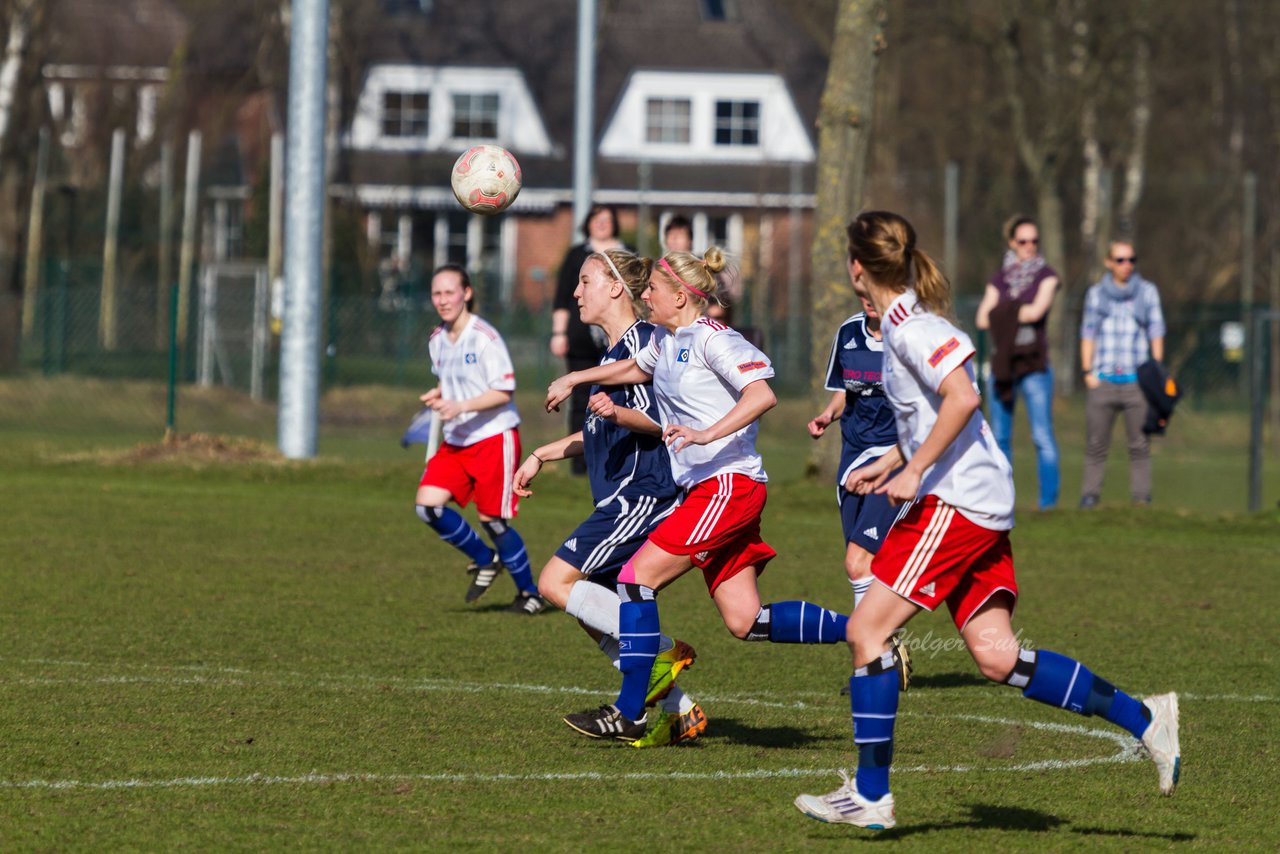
(1161, 739)
(846, 806)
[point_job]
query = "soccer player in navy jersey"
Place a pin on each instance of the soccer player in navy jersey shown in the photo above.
(712, 387)
(481, 445)
(952, 545)
(867, 433)
(631, 487)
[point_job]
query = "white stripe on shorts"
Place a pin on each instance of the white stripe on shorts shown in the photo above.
(715, 507)
(923, 552)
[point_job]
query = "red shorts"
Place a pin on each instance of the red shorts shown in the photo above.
(934, 553)
(718, 526)
(484, 472)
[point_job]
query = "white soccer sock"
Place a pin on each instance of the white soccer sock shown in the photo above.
(677, 702)
(594, 605)
(860, 587)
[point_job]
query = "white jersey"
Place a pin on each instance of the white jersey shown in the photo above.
(699, 373)
(972, 475)
(477, 362)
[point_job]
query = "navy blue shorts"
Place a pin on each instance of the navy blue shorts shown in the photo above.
(866, 518)
(612, 534)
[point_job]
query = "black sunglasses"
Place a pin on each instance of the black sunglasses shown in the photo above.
(1132, 259)
(1028, 242)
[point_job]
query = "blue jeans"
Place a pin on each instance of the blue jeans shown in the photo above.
(1037, 390)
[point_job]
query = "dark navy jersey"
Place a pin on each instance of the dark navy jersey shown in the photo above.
(867, 427)
(620, 462)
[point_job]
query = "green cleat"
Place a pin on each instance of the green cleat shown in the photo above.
(666, 667)
(674, 728)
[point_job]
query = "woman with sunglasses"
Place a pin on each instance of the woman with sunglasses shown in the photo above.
(1015, 311)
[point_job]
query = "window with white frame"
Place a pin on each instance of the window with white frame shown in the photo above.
(404, 114)
(667, 120)
(475, 115)
(737, 123)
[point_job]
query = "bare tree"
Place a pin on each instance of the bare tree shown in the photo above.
(844, 130)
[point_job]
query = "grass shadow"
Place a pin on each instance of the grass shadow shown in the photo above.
(947, 680)
(737, 732)
(993, 817)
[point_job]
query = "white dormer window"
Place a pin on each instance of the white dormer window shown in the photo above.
(475, 115)
(737, 123)
(667, 120)
(446, 108)
(705, 116)
(405, 113)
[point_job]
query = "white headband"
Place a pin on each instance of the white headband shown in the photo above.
(612, 267)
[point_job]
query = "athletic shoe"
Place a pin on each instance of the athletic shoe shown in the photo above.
(527, 603)
(666, 667)
(846, 806)
(483, 578)
(674, 728)
(606, 722)
(901, 660)
(1161, 739)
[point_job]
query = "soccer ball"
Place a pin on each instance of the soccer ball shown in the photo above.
(486, 179)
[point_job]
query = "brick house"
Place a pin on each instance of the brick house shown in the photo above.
(702, 108)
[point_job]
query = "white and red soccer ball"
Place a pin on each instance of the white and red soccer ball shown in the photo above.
(486, 179)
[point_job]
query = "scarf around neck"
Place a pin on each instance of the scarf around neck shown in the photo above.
(1112, 290)
(1020, 275)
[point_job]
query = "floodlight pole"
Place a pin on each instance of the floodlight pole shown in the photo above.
(304, 184)
(584, 112)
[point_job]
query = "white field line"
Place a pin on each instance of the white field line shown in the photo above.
(345, 681)
(1126, 748)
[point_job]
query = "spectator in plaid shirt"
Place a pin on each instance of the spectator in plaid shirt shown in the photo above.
(1123, 326)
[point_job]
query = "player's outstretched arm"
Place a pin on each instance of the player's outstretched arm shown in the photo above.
(757, 399)
(560, 449)
(823, 420)
(625, 372)
(624, 416)
(959, 402)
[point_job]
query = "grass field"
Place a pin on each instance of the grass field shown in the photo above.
(252, 654)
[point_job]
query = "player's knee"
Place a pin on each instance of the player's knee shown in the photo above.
(427, 513)
(858, 564)
(495, 527)
(554, 590)
(996, 664)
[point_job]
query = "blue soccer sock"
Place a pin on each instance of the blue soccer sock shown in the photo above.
(1057, 680)
(798, 622)
(455, 531)
(873, 699)
(638, 638)
(512, 553)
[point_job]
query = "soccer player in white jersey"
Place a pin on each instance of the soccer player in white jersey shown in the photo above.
(481, 448)
(953, 544)
(712, 387)
(631, 487)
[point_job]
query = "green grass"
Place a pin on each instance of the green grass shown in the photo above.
(264, 654)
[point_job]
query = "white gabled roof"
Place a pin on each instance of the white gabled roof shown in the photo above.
(782, 133)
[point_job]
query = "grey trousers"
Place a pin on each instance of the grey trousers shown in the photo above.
(1101, 407)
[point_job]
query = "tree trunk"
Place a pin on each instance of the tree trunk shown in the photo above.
(20, 19)
(844, 126)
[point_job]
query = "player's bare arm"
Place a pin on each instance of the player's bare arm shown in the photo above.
(560, 449)
(624, 372)
(451, 409)
(959, 402)
(757, 399)
(634, 420)
(869, 478)
(823, 420)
